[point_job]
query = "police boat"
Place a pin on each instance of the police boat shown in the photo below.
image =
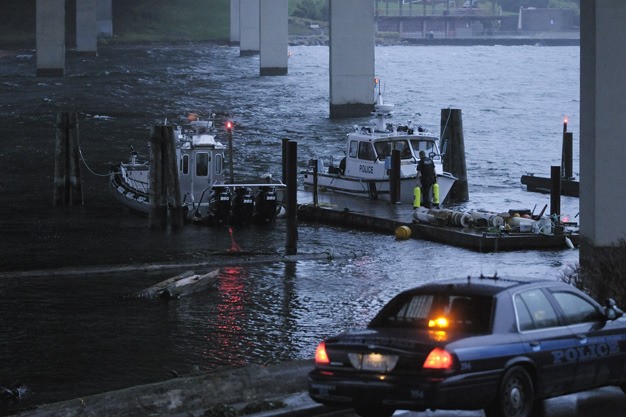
(365, 169)
(205, 195)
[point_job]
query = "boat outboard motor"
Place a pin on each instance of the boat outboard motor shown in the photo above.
(243, 206)
(266, 205)
(222, 206)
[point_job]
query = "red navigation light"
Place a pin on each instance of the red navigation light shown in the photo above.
(229, 125)
(321, 357)
(438, 359)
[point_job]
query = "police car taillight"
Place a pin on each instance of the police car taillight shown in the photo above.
(321, 357)
(438, 359)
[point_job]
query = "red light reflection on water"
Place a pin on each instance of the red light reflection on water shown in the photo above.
(230, 336)
(234, 247)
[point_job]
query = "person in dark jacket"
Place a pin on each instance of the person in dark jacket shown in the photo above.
(427, 176)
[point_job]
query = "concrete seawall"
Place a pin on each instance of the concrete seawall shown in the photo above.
(188, 396)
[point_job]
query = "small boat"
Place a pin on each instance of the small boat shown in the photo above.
(206, 196)
(365, 168)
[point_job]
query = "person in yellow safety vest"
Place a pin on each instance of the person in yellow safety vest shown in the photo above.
(427, 176)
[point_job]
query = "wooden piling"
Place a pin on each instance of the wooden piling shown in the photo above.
(67, 181)
(284, 159)
(157, 219)
(315, 174)
(566, 157)
(291, 247)
(394, 177)
(453, 147)
(172, 180)
(231, 155)
(555, 190)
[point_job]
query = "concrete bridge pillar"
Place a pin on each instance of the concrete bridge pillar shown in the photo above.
(104, 16)
(234, 21)
(603, 125)
(249, 27)
(274, 36)
(86, 26)
(50, 34)
(351, 58)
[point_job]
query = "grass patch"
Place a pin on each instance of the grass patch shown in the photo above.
(171, 20)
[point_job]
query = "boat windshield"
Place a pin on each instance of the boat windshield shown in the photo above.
(384, 148)
(427, 145)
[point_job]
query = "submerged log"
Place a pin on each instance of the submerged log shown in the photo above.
(184, 284)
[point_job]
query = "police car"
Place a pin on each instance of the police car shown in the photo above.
(491, 343)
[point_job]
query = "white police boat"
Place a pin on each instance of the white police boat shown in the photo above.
(365, 169)
(204, 192)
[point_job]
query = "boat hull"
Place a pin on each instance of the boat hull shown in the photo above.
(258, 203)
(133, 198)
(375, 189)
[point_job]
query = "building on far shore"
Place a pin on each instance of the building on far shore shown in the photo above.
(462, 23)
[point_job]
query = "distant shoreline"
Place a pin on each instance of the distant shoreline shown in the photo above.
(322, 40)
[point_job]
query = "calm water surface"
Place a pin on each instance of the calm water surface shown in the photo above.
(69, 336)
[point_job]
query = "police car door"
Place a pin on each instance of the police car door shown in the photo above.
(600, 360)
(546, 340)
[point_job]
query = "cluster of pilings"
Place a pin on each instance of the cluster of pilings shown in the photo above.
(165, 201)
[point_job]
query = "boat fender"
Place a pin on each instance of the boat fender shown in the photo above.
(436, 193)
(466, 220)
(568, 243)
(417, 197)
(403, 232)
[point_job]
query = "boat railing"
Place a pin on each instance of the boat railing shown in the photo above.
(142, 186)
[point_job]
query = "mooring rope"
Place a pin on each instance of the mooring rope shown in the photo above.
(446, 125)
(82, 158)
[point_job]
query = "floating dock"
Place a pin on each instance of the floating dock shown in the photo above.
(382, 217)
(544, 185)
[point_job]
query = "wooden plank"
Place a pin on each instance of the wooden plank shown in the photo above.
(190, 285)
(157, 289)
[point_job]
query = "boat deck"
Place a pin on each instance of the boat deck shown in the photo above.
(382, 217)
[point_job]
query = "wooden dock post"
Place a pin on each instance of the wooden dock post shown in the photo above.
(164, 181)
(172, 180)
(284, 159)
(229, 129)
(157, 219)
(555, 190)
(291, 247)
(394, 177)
(566, 157)
(315, 174)
(453, 148)
(68, 188)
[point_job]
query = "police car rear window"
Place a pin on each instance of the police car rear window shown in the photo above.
(438, 312)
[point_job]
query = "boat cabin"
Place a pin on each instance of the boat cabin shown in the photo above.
(200, 159)
(369, 155)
